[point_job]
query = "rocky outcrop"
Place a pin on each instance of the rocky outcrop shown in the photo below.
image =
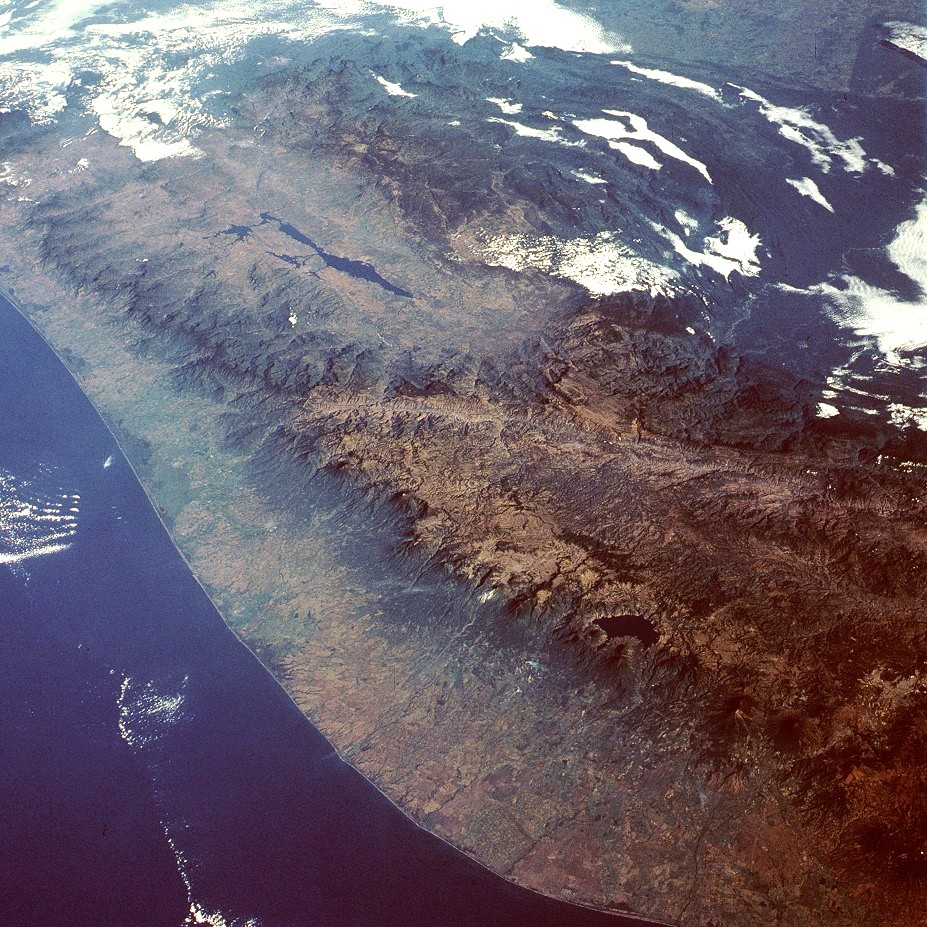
(575, 460)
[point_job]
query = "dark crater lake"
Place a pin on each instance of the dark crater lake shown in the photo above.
(629, 626)
(153, 773)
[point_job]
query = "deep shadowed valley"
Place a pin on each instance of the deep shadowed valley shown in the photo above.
(544, 405)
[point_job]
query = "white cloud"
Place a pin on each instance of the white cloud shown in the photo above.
(674, 80)
(603, 264)
(393, 89)
(807, 187)
(909, 37)
(148, 67)
(797, 125)
(734, 247)
(615, 131)
(538, 23)
(150, 62)
(894, 324)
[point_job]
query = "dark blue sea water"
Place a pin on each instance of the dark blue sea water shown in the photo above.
(151, 771)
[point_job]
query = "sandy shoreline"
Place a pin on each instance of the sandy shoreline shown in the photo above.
(106, 404)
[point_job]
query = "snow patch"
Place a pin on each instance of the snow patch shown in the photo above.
(904, 416)
(686, 222)
(588, 178)
(517, 53)
(637, 155)
(544, 135)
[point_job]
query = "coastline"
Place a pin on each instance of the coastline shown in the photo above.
(514, 738)
(625, 917)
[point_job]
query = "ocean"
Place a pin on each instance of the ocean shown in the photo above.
(152, 772)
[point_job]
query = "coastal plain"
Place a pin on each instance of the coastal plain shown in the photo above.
(580, 579)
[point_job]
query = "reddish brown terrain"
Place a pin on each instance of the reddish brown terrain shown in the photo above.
(673, 652)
